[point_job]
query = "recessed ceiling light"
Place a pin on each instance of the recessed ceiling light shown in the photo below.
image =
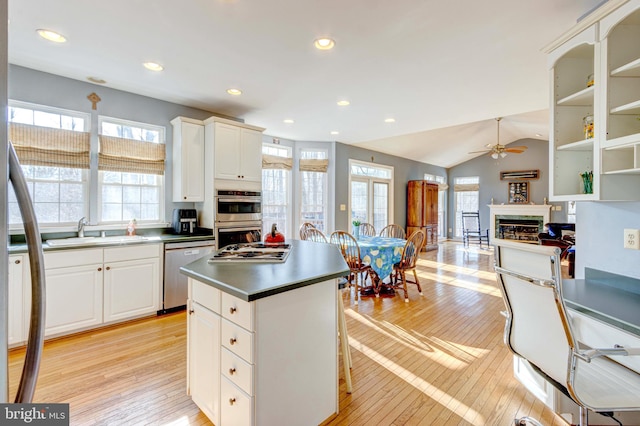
(538, 135)
(51, 36)
(324, 43)
(288, 121)
(96, 80)
(234, 92)
(335, 132)
(389, 120)
(343, 103)
(153, 66)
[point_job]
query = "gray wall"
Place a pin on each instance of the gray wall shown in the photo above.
(48, 89)
(404, 171)
(488, 170)
(599, 237)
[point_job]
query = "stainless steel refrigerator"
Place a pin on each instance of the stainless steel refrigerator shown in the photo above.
(10, 173)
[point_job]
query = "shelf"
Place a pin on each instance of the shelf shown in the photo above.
(624, 172)
(585, 145)
(632, 69)
(581, 98)
(621, 142)
(630, 108)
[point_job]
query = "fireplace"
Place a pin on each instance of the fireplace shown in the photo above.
(518, 222)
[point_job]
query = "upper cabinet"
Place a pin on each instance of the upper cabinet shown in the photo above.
(595, 107)
(188, 160)
(237, 152)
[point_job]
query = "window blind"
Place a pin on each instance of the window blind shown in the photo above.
(276, 162)
(46, 146)
(314, 165)
(131, 156)
(466, 187)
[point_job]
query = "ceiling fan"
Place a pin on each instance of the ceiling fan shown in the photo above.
(500, 151)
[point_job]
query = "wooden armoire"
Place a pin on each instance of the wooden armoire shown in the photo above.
(422, 210)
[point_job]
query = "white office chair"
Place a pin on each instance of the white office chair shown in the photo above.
(539, 330)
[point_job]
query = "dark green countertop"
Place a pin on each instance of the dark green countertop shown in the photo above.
(308, 263)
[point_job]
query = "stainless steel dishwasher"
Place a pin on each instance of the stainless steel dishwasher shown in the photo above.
(175, 284)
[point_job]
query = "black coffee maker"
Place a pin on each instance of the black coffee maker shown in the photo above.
(184, 221)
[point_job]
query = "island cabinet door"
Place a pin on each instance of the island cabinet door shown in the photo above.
(204, 360)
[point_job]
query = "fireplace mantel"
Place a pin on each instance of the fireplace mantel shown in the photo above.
(538, 210)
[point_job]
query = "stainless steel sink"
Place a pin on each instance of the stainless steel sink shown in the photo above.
(83, 241)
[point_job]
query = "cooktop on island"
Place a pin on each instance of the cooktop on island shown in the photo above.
(252, 252)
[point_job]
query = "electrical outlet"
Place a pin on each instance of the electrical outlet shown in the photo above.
(632, 239)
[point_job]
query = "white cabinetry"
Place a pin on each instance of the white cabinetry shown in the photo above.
(256, 366)
(131, 281)
(188, 160)
(94, 286)
(74, 290)
(607, 52)
(233, 160)
(17, 328)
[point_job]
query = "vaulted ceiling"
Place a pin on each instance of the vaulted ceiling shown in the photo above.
(443, 70)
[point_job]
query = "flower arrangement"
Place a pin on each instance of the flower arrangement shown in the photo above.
(587, 182)
(356, 222)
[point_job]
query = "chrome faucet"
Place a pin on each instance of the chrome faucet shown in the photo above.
(81, 224)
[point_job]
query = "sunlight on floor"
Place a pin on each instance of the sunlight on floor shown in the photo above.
(442, 398)
(182, 421)
(409, 341)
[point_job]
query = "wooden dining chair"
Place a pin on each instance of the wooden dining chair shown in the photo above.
(367, 229)
(314, 234)
(408, 262)
(303, 229)
(351, 252)
(393, 231)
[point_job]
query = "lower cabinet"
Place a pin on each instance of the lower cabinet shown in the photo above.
(250, 364)
(89, 287)
(431, 235)
(17, 326)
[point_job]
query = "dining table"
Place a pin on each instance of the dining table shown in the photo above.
(381, 253)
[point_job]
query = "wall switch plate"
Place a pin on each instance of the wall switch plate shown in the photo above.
(632, 239)
(343, 207)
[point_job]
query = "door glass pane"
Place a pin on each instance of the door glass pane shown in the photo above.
(359, 201)
(380, 205)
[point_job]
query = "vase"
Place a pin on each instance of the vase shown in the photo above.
(587, 182)
(356, 232)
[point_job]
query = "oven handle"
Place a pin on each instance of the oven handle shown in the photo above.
(220, 230)
(240, 199)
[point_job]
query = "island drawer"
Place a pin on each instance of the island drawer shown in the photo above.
(237, 340)
(205, 295)
(236, 406)
(238, 311)
(237, 370)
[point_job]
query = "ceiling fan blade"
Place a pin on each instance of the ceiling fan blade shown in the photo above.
(514, 151)
(479, 152)
(517, 147)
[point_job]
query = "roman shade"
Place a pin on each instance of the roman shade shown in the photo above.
(276, 162)
(131, 156)
(46, 146)
(314, 165)
(466, 187)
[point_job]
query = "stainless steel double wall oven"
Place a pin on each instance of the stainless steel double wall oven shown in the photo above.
(238, 217)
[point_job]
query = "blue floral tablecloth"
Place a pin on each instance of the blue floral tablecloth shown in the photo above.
(381, 253)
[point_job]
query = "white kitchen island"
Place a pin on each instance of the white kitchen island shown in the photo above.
(262, 338)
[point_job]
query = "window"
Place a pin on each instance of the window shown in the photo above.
(129, 184)
(466, 190)
(313, 188)
(371, 193)
(58, 176)
(442, 201)
(276, 188)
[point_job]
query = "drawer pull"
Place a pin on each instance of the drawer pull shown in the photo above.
(191, 311)
(232, 401)
(232, 310)
(232, 341)
(232, 371)
(17, 261)
(99, 269)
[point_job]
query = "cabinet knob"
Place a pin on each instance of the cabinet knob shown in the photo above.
(99, 269)
(232, 341)
(108, 268)
(17, 261)
(232, 371)
(232, 310)
(184, 198)
(191, 311)
(232, 401)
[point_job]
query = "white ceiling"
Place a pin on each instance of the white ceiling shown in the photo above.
(443, 69)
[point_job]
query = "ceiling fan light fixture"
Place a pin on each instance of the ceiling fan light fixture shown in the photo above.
(503, 154)
(494, 155)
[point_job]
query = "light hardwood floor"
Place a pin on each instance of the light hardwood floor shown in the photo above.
(437, 360)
